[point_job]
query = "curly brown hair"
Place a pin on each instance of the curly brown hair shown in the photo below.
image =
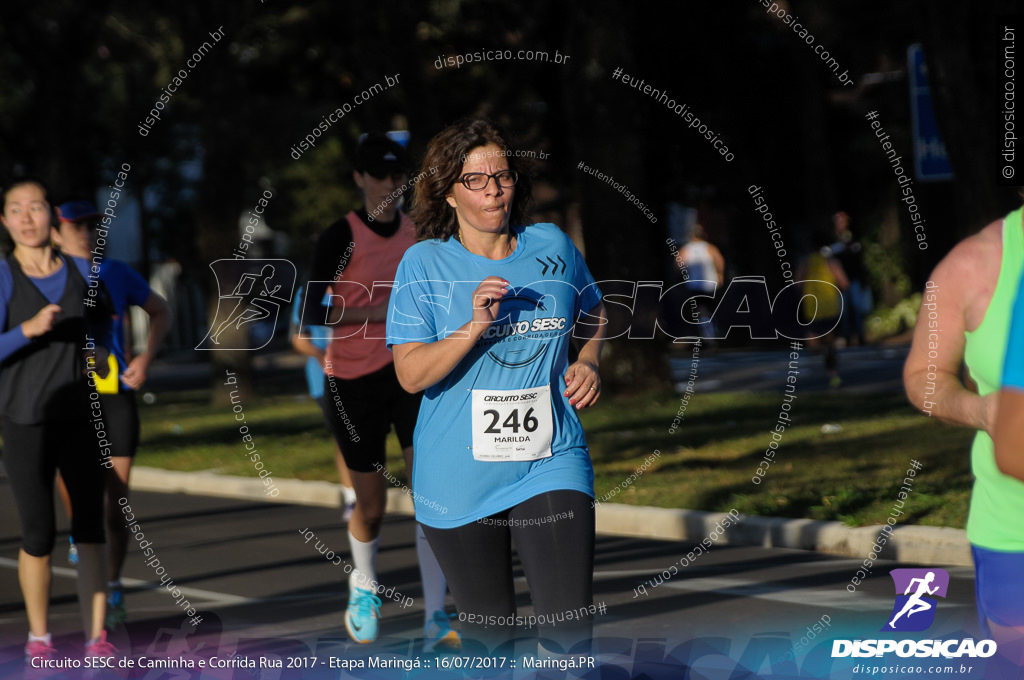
(430, 211)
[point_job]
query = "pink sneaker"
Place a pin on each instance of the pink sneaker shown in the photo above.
(100, 647)
(37, 649)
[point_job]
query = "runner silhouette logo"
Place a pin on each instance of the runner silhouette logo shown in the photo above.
(914, 609)
(251, 294)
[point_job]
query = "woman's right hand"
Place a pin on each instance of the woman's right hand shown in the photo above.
(41, 323)
(420, 365)
(97, 360)
(487, 299)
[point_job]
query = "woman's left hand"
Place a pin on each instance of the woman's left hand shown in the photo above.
(583, 384)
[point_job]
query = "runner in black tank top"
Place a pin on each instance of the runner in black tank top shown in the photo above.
(44, 412)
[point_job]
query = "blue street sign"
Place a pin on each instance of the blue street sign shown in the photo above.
(930, 160)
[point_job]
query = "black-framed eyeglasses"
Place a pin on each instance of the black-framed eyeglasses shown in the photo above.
(477, 181)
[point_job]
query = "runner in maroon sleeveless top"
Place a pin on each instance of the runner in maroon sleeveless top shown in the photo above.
(359, 255)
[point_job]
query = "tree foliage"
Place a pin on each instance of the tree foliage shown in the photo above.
(78, 80)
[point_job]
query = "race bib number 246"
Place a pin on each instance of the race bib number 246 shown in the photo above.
(514, 425)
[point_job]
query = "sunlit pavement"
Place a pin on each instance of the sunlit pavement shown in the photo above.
(259, 586)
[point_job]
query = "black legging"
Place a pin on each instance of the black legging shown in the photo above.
(557, 554)
(32, 454)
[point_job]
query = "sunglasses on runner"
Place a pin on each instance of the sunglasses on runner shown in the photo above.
(397, 176)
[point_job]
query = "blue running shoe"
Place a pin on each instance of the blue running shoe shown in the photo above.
(72, 551)
(116, 612)
(438, 634)
(362, 618)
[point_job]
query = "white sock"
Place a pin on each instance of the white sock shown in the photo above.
(434, 583)
(48, 639)
(349, 493)
(364, 558)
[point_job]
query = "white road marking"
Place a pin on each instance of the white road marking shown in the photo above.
(838, 598)
(208, 598)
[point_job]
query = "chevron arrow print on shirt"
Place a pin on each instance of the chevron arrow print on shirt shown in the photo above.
(552, 265)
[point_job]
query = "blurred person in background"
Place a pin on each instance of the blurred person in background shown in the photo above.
(857, 300)
(705, 268)
(312, 343)
(822, 276)
(363, 395)
(77, 233)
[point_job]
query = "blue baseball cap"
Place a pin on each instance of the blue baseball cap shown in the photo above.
(73, 211)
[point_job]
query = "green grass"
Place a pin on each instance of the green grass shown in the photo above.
(707, 464)
(853, 475)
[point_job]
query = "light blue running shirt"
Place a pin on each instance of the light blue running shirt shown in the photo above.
(523, 353)
(1013, 366)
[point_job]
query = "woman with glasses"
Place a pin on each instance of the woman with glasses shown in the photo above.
(481, 317)
(356, 257)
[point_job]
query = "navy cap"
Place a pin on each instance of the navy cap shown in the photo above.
(73, 211)
(380, 155)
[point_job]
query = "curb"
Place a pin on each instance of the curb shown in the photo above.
(930, 546)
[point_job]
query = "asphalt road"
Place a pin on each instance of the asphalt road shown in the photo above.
(262, 591)
(863, 370)
(266, 594)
